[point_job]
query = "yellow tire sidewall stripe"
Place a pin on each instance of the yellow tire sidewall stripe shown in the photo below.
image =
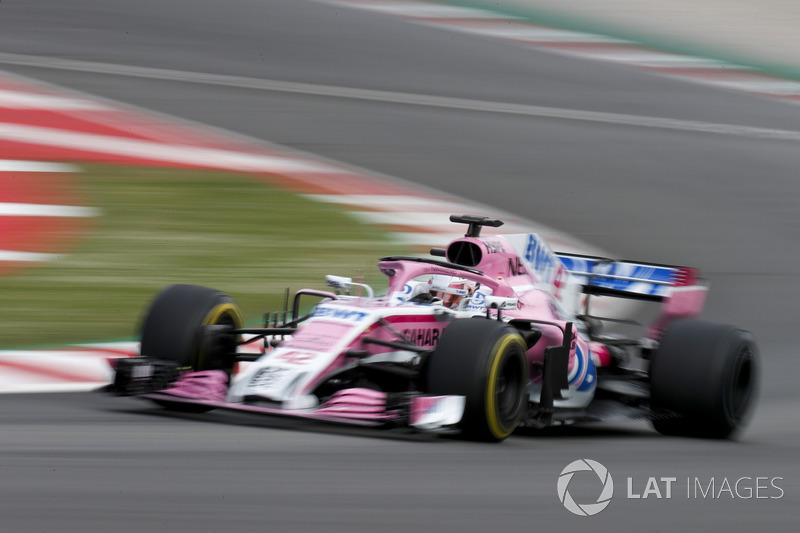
(219, 310)
(213, 317)
(495, 426)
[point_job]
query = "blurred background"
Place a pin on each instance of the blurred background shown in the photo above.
(252, 145)
(762, 34)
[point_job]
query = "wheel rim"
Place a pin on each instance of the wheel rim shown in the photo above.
(213, 351)
(741, 390)
(508, 391)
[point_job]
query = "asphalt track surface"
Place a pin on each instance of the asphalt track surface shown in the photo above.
(727, 203)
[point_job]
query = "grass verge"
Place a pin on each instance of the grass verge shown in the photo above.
(163, 226)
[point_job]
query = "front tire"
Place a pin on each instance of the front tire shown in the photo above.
(192, 326)
(707, 375)
(485, 361)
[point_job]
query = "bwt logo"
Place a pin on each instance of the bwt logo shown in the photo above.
(536, 253)
(606, 493)
(342, 314)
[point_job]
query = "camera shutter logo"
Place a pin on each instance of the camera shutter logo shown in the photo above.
(587, 509)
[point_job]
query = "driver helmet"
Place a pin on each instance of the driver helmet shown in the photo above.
(452, 291)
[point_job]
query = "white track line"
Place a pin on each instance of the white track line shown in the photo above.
(140, 149)
(22, 100)
(8, 165)
(43, 210)
(430, 11)
(27, 257)
(31, 388)
(658, 59)
(405, 98)
(766, 85)
(540, 35)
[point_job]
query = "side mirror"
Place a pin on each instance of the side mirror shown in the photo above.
(339, 282)
(501, 302)
(344, 284)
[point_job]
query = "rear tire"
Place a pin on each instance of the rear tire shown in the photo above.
(706, 374)
(485, 361)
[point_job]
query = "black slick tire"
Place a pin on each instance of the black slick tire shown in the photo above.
(706, 375)
(485, 361)
(173, 328)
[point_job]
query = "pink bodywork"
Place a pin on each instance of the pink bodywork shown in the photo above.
(539, 295)
(206, 385)
(683, 302)
(501, 272)
(357, 403)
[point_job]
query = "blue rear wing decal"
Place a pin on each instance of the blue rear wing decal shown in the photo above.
(627, 279)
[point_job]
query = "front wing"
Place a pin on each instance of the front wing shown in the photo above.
(198, 391)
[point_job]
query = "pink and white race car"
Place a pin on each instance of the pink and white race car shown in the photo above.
(496, 335)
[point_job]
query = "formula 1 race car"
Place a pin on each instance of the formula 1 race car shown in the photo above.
(497, 334)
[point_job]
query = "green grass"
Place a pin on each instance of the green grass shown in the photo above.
(163, 226)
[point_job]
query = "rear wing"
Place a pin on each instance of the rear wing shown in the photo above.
(627, 279)
(679, 290)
